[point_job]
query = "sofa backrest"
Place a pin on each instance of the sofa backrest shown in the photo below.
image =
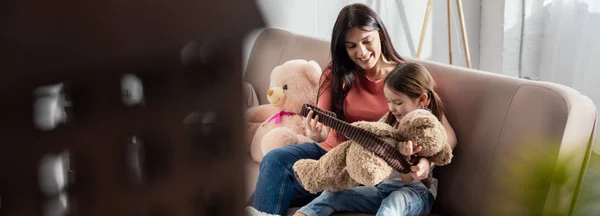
(495, 117)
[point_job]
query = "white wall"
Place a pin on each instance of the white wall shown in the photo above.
(403, 18)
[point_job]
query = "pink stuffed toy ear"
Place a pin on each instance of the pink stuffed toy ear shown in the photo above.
(313, 71)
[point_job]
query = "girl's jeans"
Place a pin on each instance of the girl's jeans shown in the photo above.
(383, 199)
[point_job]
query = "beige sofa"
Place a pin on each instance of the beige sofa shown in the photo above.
(493, 116)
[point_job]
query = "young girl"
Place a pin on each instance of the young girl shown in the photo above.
(406, 88)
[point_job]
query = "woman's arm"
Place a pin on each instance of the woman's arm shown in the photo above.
(316, 130)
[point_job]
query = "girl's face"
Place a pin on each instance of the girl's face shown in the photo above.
(363, 47)
(400, 104)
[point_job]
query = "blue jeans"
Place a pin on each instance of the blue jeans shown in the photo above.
(383, 199)
(277, 188)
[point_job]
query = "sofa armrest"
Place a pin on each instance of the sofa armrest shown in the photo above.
(250, 98)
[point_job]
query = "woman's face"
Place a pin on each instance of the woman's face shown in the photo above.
(363, 47)
(400, 104)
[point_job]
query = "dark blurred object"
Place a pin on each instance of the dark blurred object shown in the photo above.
(184, 56)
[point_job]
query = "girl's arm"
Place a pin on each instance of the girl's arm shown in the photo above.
(449, 133)
(421, 170)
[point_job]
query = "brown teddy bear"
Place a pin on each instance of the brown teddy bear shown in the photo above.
(349, 164)
(278, 124)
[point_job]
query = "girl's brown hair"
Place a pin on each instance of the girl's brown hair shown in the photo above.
(413, 80)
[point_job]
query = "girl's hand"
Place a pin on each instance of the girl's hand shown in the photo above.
(421, 170)
(407, 148)
(315, 130)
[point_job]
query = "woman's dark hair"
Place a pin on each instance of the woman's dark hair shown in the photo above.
(340, 81)
(414, 80)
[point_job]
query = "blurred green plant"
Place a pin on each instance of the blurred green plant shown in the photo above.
(541, 180)
(589, 198)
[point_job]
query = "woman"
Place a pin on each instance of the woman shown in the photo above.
(352, 87)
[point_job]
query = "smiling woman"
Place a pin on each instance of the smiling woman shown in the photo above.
(363, 46)
(360, 44)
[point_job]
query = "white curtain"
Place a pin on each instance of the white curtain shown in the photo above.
(560, 43)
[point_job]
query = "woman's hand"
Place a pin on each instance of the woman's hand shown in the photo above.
(407, 148)
(421, 170)
(315, 130)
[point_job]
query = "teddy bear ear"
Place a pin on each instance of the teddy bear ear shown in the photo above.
(274, 71)
(419, 118)
(313, 71)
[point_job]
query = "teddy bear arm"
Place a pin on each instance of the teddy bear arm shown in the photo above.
(251, 128)
(304, 139)
(278, 138)
(260, 113)
(327, 173)
(365, 167)
(444, 157)
(343, 182)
